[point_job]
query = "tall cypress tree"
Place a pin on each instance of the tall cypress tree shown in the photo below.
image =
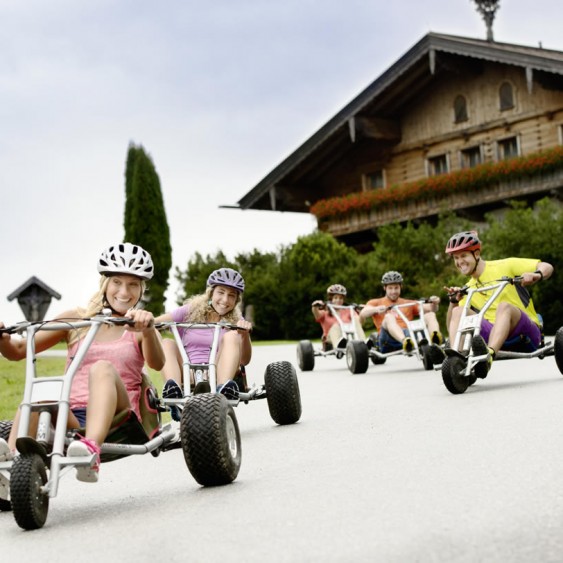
(145, 221)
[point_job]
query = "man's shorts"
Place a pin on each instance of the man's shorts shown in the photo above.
(387, 343)
(526, 329)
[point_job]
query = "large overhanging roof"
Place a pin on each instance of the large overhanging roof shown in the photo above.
(403, 78)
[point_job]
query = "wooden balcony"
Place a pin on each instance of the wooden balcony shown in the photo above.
(470, 202)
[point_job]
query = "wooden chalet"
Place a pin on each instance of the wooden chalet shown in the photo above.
(449, 105)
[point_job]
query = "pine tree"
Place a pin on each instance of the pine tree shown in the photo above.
(145, 221)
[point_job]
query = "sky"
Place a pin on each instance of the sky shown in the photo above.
(218, 93)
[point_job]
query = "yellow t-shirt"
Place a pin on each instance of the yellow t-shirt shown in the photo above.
(513, 294)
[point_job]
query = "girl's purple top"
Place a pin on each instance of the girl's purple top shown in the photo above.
(197, 341)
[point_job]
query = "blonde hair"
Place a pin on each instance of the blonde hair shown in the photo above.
(199, 308)
(95, 306)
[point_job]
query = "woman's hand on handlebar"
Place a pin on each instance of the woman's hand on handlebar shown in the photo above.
(4, 333)
(245, 326)
(141, 320)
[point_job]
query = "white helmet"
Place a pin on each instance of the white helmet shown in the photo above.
(126, 258)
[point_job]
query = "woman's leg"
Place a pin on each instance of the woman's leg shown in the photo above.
(107, 397)
(173, 361)
(228, 361)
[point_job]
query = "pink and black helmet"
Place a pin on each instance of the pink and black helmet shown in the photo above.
(466, 240)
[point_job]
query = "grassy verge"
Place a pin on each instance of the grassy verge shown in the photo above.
(12, 377)
(12, 380)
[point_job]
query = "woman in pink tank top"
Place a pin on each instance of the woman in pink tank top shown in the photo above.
(109, 378)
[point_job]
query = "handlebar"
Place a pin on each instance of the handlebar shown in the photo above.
(516, 280)
(65, 324)
(325, 304)
(227, 326)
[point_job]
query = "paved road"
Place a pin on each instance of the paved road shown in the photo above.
(385, 466)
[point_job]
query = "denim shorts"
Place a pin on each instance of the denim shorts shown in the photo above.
(387, 343)
(80, 415)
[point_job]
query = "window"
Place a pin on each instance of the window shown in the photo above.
(506, 96)
(438, 165)
(471, 157)
(460, 109)
(374, 180)
(508, 148)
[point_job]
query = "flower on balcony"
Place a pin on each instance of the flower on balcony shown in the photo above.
(444, 184)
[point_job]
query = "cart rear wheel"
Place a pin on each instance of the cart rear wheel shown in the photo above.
(211, 439)
(282, 393)
(29, 503)
(305, 355)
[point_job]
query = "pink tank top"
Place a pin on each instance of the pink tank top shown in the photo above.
(125, 355)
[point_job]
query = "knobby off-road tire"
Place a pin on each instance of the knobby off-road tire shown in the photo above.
(29, 504)
(305, 355)
(558, 349)
(5, 429)
(357, 356)
(211, 439)
(282, 392)
(452, 377)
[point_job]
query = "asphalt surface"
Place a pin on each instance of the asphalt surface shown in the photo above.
(384, 466)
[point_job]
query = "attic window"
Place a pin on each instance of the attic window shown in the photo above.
(373, 180)
(438, 165)
(460, 109)
(506, 96)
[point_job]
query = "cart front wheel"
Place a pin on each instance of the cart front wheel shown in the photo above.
(282, 393)
(211, 439)
(427, 357)
(305, 355)
(452, 375)
(357, 356)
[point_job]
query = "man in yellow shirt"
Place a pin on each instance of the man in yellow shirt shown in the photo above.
(512, 314)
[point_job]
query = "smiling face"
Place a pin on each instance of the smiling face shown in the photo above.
(465, 261)
(123, 292)
(224, 299)
(393, 291)
(337, 299)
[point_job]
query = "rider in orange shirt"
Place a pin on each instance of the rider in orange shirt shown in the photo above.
(393, 332)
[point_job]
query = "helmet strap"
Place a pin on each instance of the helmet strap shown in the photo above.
(477, 260)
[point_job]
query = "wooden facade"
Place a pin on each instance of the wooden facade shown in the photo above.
(449, 103)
